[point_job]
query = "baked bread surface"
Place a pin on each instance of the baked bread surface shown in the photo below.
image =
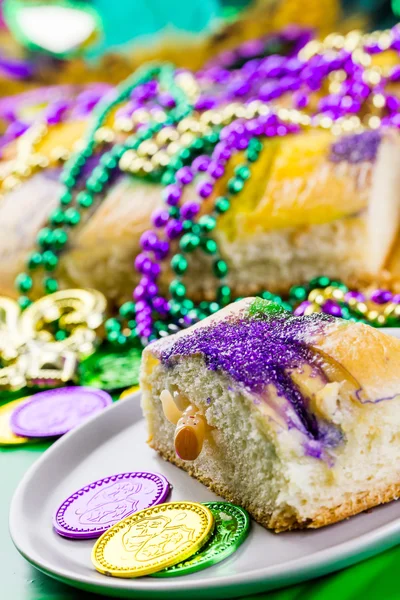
(307, 209)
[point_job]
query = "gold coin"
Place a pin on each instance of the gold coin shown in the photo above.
(153, 539)
(129, 391)
(7, 436)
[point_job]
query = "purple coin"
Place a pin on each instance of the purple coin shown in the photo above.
(90, 511)
(54, 412)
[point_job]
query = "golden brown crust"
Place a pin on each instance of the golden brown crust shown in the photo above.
(286, 522)
(370, 356)
(356, 504)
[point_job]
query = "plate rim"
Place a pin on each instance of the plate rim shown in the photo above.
(300, 569)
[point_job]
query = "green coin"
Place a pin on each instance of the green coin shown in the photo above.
(231, 528)
(111, 370)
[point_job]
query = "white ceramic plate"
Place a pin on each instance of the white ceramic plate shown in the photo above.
(114, 442)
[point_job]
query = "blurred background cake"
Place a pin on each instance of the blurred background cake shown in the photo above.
(257, 153)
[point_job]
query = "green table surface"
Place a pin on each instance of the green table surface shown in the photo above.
(375, 578)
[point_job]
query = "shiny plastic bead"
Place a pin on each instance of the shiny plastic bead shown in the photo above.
(50, 285)
(220, 268)
(209, 246)
(93, 185)
(66, 198)
(59, 238)
(118, 151)
(268, 296)
(222, 205)
(187, 304)
(50, 260)
(211, 138)
(57, 217)
(61, 335)
(24, 302)
(108, 161)
(252, 155)
(174, 212)
(196, 229)
(84, 199)
(179, 264)
(207, 223)
(72, 217)
(34, 261)
(235, 185)
(189, 242)
(23, 282)
(177, 289)
(184, 154)
(100, 174)
(243, 172)
(167, 178)
(121, 339)
(68, 180)
(298, 293)
(127, 309)
(45, 237)
(112, 325)
(175, 309)
(175, 163)
(224, 295)
(255, 145)
(197, 144)
(187, 226)
(112, 337)
(320, 282)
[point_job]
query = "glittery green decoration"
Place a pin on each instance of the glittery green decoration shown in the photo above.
(110, 370)
(261, 308)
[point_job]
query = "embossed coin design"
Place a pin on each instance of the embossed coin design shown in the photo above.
(93, 509)
(7, 436)
(231, 529)
(54, 412)
(153, 539)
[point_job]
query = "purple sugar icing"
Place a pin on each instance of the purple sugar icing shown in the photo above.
(356, 148)
(257, 351)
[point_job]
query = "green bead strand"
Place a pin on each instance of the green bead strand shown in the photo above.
(24, 283)
(34, 261)
(44, 238)
(84, 199)
(55, 240)
(59, 238)
(49, 260)
(72, 217)
(207, 223)
(179, 264)
(220, 269)
(235, 185)
(127, 310)
(177, 289)
(189, 242)
(222, 205)
(50, 285)
(242, 172)
(57, 217)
